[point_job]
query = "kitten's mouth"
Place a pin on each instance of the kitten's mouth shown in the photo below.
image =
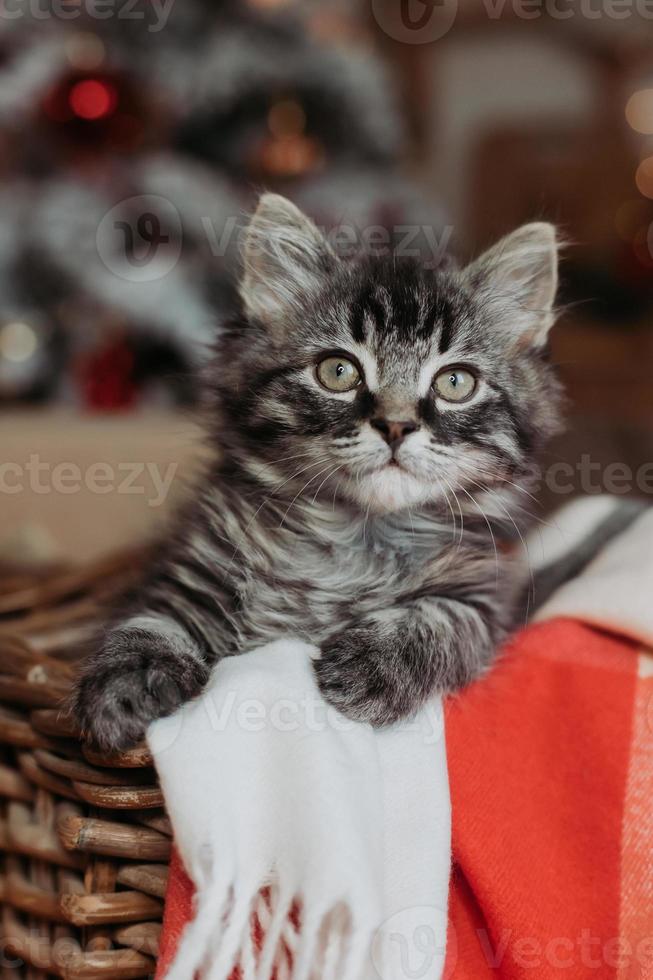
(390, 466)
(391, 486)
(394, 464)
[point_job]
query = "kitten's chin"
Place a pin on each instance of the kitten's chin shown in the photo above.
(389, 489)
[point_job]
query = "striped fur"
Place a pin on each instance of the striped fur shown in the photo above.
(310, 523)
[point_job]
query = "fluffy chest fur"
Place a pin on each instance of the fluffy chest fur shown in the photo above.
(313, 569)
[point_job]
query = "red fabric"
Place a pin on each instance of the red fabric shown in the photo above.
(178, 911)
(538, 759)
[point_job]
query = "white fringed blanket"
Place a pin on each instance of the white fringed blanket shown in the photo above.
(345, 827)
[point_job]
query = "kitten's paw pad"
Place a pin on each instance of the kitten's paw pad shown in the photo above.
(353, 675)
(114, 709)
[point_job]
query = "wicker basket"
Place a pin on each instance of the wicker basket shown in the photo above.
(84, 840)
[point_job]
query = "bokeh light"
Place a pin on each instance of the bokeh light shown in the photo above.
(85, 50)
(644, 177)
(18, 341)
(630, 217)
(92, 98)
(639, 111)
(286, 118)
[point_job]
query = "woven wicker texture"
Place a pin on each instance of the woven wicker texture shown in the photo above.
(84, 841)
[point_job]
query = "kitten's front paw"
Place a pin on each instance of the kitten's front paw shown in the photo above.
(363, 674)
(115, 703)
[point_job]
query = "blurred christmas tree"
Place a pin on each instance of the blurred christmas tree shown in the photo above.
(131, 147)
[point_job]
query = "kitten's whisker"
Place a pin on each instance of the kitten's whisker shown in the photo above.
(286, 459)
(460, 510)
(521, 538)
(412, 526)
(299, 492)
(265, 501)
(367, 514)
(489, 527)
(534, 517)
(365, 520)
(511, 483)
(531, 591)
(529, 514)
(327, 477)
(446, 497)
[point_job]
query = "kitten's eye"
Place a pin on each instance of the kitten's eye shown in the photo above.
(338, 374)
(455, 384)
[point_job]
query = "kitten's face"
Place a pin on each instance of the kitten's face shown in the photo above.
(383, 382)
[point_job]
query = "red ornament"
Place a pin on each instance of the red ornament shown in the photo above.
(106, 377)
(92, 98)
(90, 113)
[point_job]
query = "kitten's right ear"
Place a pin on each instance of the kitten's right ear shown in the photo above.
(285, 257)
(520, 274)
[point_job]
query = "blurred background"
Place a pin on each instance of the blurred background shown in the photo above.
(135, 135)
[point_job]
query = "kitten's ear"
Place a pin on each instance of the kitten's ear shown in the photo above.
(285, 257)
(520, 275)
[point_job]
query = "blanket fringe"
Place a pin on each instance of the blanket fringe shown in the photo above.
(273, 933)
(211, 909)
(227, 944)
(223, 936)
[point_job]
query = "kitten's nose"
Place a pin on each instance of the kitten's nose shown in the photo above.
(393, 432)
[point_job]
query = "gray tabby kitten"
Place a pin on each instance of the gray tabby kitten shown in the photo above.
(374, 418)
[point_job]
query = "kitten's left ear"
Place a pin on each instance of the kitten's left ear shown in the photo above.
(286, 258)
(520, 276)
